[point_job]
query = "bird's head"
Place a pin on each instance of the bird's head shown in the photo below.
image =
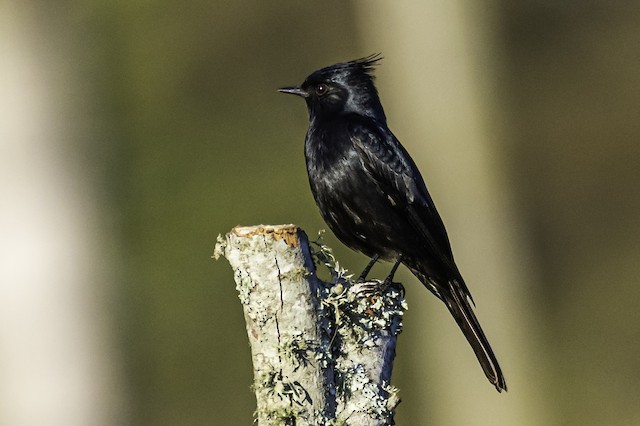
(341, 89)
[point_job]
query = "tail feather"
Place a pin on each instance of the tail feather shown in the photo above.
(457, 298)
(459, 306)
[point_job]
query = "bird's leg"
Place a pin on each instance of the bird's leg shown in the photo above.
(389, 280)
(364, 273)
(378, 287)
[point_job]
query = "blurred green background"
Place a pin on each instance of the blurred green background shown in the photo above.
(523, 116)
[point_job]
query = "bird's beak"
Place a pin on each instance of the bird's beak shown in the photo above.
(294, 91)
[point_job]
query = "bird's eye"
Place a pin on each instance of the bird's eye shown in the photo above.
(321, 89)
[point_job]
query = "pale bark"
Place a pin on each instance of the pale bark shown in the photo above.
(322, 352)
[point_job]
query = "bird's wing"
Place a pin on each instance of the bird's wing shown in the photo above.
(391, 166)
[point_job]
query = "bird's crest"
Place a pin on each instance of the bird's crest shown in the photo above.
(366, 65)
(358, 67)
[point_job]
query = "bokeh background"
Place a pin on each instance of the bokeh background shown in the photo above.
(133, 133)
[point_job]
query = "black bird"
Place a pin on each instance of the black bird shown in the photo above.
(372, 195)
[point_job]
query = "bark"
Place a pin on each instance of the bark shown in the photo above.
(322, 352)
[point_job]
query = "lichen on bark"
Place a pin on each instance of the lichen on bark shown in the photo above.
(322, 352)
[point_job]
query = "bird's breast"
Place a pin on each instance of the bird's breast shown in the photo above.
(333, 165)
(350, 200)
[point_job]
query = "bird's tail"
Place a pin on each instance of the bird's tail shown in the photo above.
(458, 303)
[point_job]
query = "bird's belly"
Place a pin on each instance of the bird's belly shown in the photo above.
(360, 214)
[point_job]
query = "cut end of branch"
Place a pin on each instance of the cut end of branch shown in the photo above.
(288, 233)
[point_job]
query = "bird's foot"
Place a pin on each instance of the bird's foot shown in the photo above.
(368, 288)
(389, 284)
(371, 288)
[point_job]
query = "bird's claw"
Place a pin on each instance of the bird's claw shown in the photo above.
(371, 288)
(367, 288)
(399, 287)
(389, 283)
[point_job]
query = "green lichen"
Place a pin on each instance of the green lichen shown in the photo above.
(377, 401)
(283, 400)
(364, 313)
(323, 256)
(359, 317)
(221, 245)
(297, 347)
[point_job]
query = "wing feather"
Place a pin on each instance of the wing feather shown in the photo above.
(388, 162)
